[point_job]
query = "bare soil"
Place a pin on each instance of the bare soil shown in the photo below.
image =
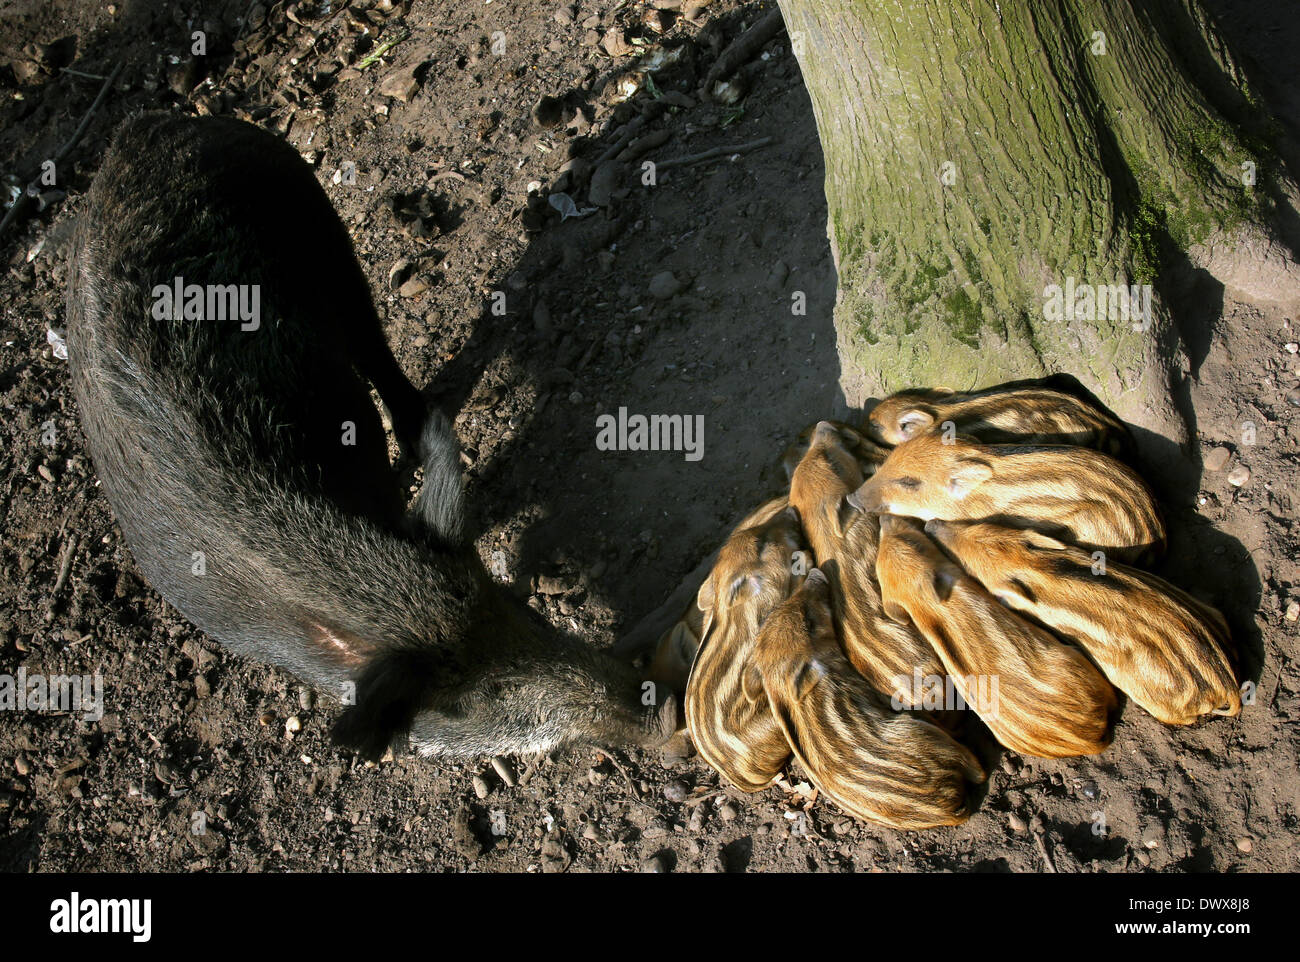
(596, 539)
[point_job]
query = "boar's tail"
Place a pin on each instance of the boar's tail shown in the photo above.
(390, 691)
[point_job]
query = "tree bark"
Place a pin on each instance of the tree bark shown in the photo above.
(978, 153)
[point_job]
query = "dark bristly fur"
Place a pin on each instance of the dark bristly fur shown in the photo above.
(208, 438)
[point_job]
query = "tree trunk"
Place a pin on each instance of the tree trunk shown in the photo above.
(979, 153)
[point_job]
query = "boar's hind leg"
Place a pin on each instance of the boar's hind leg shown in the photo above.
(374, 360)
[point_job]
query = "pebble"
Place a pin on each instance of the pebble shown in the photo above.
(1292, 347)
(21, 765)
(481, 786)
(1089, 790)
(1293, 611)
(1016, 822)
(590, 832)
(1216, 458)
(1239, 476)
(306, 699)
(656, 864)
(1293, 397)
(415, 286)
(665, 285)
(676, 790)
(267, 718)
(401, 84)
(45, 473)
(728, 812)
(293, 724)
(505, 770)
(1245, 845)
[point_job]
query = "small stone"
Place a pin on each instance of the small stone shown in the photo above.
(563, 15)
(1245, 845)
(45, 472)
(590, 832)
(665, 285)
(1239, 476)
(267, 718)
(1293, 611)
(21, 765)
(1089, 790)
(615, 43)
(1216, 459)
(1293, 397)
(481, 787)
(656, 864)
(676, 791)
(306, 699)
(202, 687)
(1016, 822)
(505, 771)
(415, 286)
(293, 724)
(728, 812)
(1292, 347)
(400, 84)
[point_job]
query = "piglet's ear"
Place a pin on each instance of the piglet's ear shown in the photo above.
(806, 678)
(751, 685)
(914, 421)
(967, 475)
(896, 612)
(706, 598)
(1039, 540)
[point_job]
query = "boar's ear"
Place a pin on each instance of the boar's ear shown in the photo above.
(967, 475)
(896, 612)
(944, 580)
(1015, 594)
(914, 421)
(845, 515)
(854, 438)
(1046, 542)
(751, 685)
(706, 598)
(806, 677)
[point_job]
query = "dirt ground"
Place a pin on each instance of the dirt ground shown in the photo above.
(674, 298)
